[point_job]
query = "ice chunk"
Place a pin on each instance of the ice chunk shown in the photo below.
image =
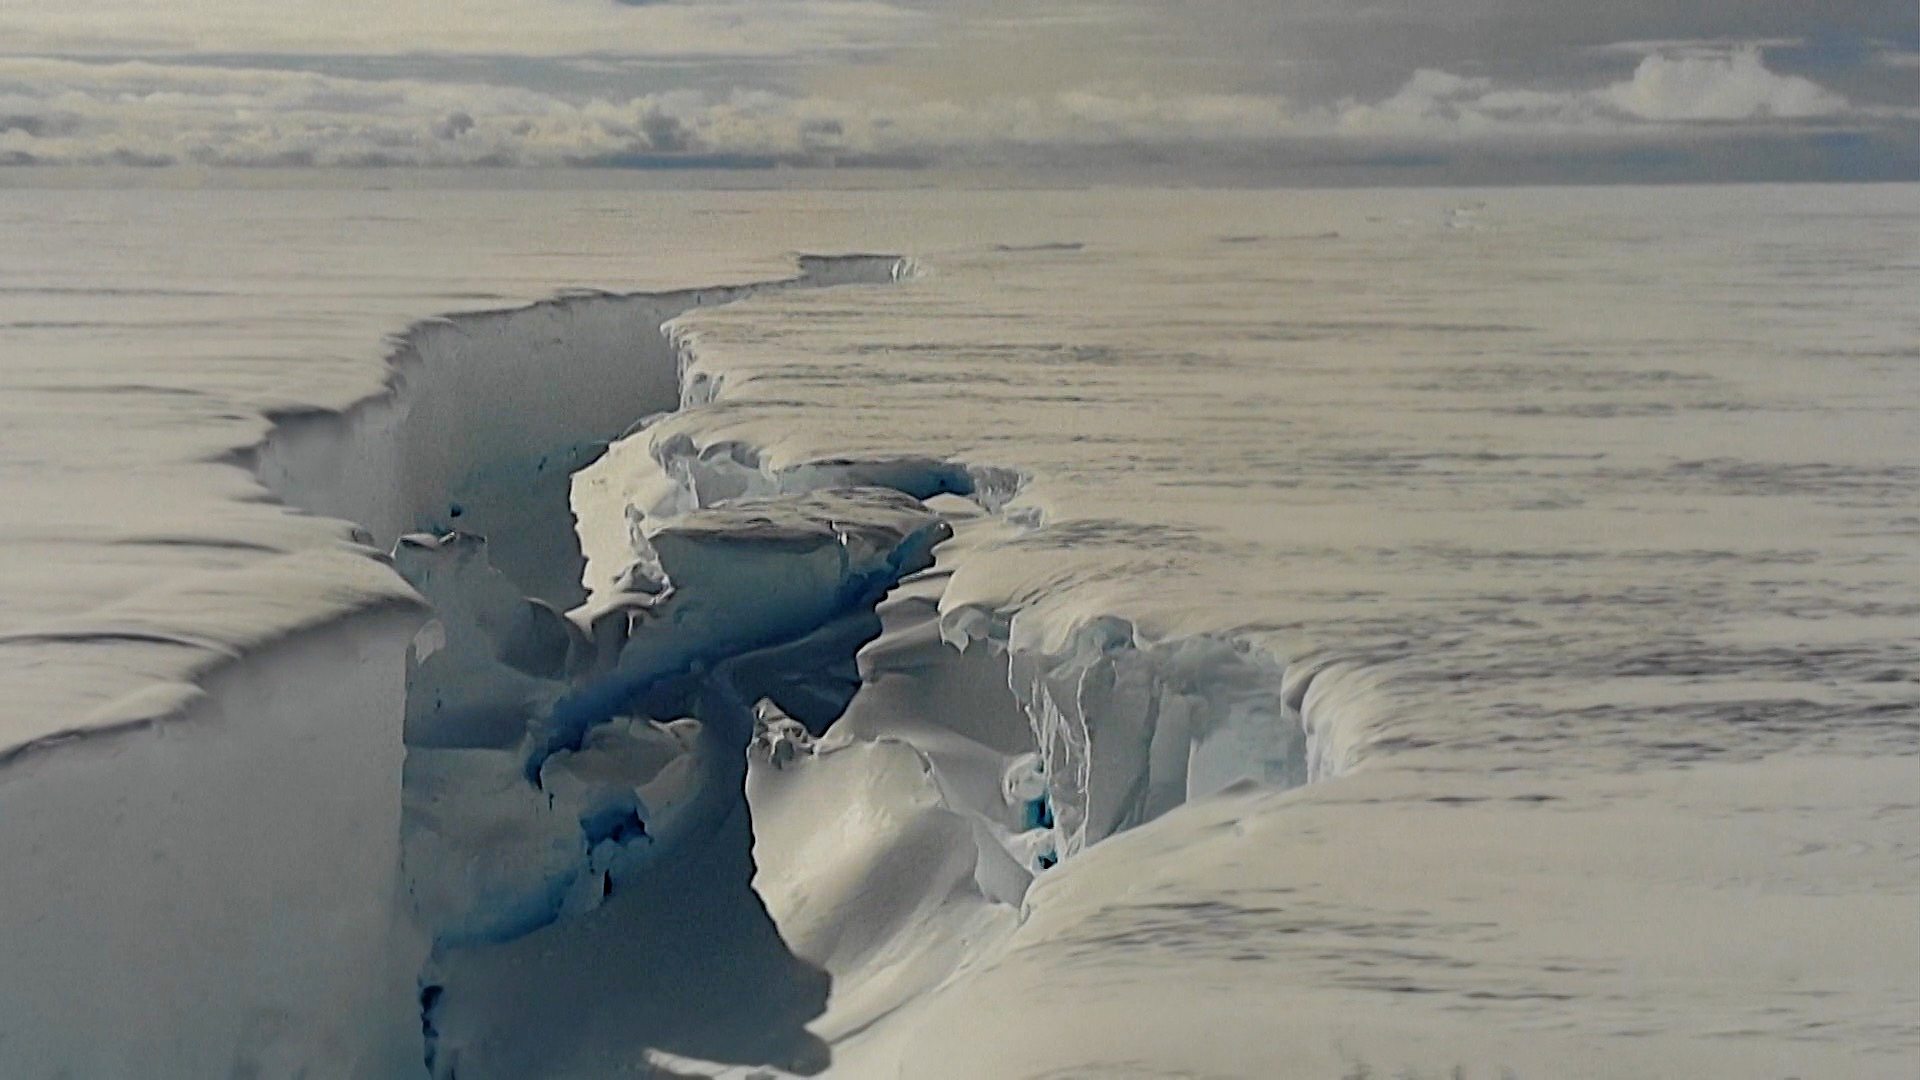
(741, 577)
(499, 657)
(764, 599)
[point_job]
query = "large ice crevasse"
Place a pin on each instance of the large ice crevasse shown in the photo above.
(603, 695)
(266, 793)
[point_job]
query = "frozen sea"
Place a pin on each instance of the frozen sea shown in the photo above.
(1457, 632)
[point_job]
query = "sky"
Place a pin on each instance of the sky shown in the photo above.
(1281, 90)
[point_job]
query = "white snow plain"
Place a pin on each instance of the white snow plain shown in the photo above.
(1412, 633)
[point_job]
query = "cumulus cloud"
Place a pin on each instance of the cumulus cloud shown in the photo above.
(454, 125)
(1690, 84)
(73, 112)
(1734, 86)
(554, 82)
(148, 112)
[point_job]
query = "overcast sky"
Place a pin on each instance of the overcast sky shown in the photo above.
(1362, 90)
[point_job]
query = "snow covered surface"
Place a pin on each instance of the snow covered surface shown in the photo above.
(1381, 632)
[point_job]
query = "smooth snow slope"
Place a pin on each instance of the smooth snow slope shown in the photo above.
(1568, 536)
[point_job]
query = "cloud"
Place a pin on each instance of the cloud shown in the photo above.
(1691, 83)
(665, 133)
(708, 28)
(65, 111)
(38, 125)
(1732, 86)
(454, 125)
(960, 82)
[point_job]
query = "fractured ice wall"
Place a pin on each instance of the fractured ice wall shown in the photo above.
(1126, 728)
(1129, 730)
(636, 792)
(760, 599)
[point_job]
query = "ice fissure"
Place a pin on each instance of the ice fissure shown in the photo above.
(621, 719)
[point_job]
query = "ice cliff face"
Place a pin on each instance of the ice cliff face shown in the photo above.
(235, 906)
